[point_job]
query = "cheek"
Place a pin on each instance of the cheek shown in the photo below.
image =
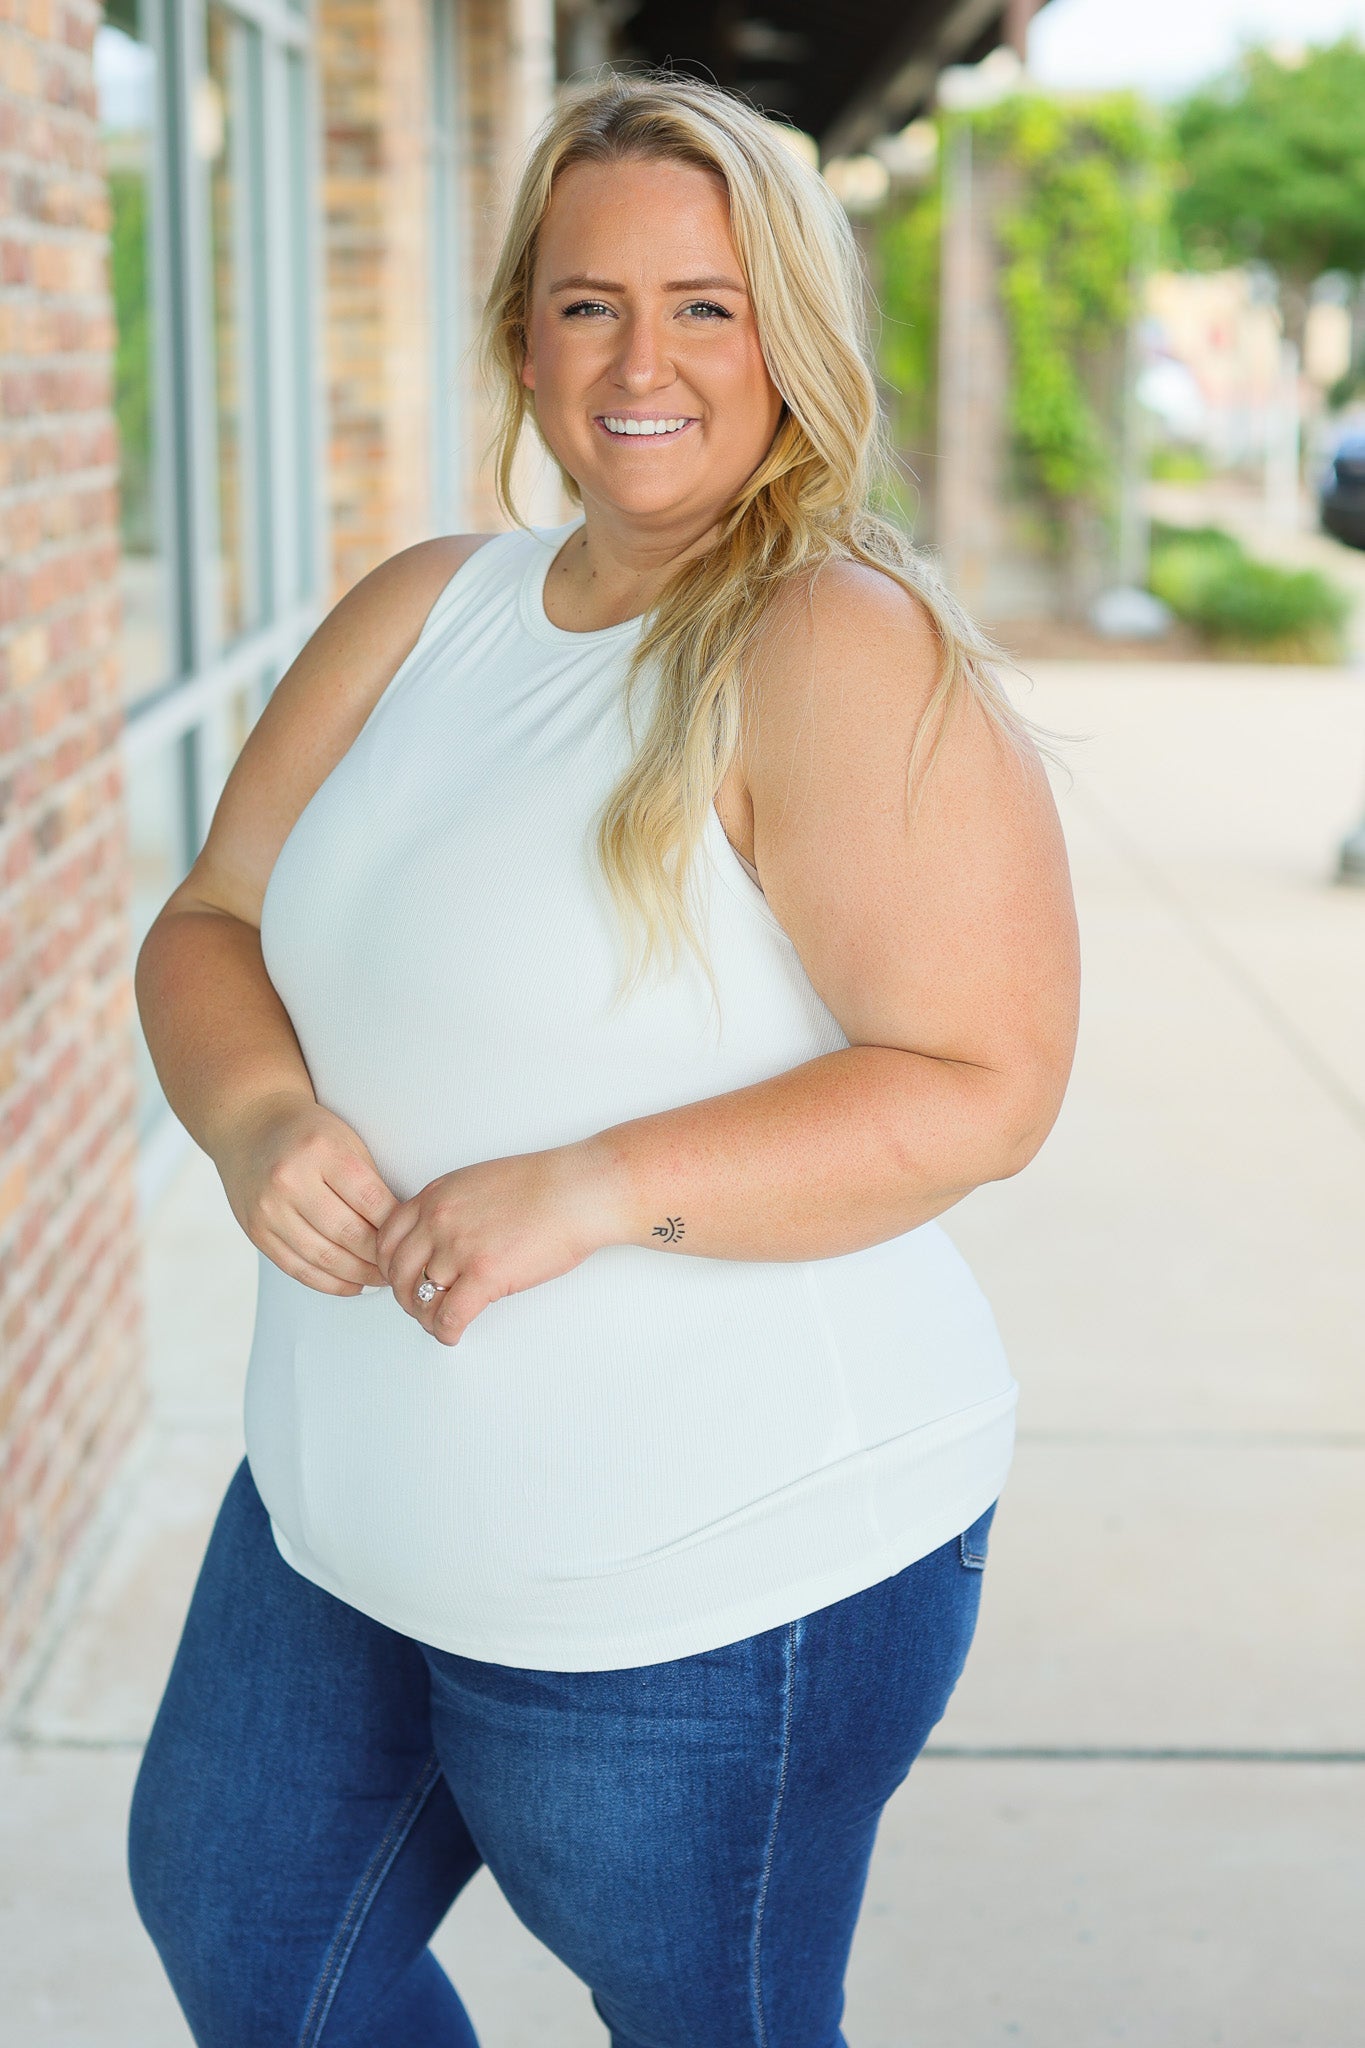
(752, 387)
(564, 361)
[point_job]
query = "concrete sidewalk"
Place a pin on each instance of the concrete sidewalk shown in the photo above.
(1143, 1818)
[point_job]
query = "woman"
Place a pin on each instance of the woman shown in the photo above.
(623, 1435)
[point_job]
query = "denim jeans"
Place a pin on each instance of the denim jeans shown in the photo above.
(691, 1838)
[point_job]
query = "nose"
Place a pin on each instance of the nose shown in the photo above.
(642, 363)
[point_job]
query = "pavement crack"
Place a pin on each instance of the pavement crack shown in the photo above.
(1136, 1753)
(1203, 1439)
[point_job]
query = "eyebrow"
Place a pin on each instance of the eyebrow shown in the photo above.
(581, 282)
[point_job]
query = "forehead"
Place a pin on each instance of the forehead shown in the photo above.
(649, 208)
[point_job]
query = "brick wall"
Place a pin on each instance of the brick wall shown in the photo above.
(71, 1391)
(506, 81)
(71, 1385)
(374, 60)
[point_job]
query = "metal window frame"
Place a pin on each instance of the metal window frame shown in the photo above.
(284, 419)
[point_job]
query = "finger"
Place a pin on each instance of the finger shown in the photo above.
(416, 1258)
(360, 1187)
(337, 1220)
(319, 1250)
(410, 1263)
(392, 1232)
(288, 1260)
(456, 1309)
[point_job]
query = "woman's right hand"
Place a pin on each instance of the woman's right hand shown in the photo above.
(306, 1192)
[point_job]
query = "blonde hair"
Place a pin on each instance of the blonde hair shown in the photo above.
(808, 502)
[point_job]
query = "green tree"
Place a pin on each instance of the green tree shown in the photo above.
(1270, 167)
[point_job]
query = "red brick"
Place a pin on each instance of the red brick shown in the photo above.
(70, 1351)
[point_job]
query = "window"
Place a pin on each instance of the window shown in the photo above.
(126, 85)
(206, 109)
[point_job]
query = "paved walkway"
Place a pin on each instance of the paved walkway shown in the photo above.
(1143, 1818)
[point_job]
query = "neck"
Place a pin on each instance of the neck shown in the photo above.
(614, 569)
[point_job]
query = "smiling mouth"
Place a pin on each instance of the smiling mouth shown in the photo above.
(625, 427)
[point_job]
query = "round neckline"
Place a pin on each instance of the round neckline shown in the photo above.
(551, 541)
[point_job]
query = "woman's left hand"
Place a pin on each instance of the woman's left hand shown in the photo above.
(493, 1229)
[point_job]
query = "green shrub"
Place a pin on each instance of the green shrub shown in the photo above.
(1208, 579)
(1178, 465)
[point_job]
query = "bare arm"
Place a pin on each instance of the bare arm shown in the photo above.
(947, 953)
(220, 1038)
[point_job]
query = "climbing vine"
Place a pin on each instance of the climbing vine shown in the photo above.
(1075, 206)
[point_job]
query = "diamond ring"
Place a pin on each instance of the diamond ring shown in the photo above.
(429, 1289)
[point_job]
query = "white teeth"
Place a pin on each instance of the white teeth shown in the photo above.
(632, 426)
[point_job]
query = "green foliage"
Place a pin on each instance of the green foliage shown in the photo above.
(1080, 224)
(906, 254)
(1071, 243)
(132, 356)
(1348, 387)
(1271, 166)
(1174, 465)
(1209, 580)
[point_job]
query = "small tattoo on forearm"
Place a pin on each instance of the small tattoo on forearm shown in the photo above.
(670, 1230)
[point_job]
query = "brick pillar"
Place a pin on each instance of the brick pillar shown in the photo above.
(71, 1387)
(375, 79)
(506, 59)
(994, 550)
(375, 61)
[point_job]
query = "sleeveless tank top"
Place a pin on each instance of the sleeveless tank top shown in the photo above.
(656, 1453)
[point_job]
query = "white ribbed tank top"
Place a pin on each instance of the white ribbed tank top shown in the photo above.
(655, 1453)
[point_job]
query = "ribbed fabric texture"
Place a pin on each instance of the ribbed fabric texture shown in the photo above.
(656, 1453)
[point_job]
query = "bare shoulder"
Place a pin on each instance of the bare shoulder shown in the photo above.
(846, 664)
(312, 718)
(944, 925)
(845, 601)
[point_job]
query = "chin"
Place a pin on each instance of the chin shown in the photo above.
(646, 499)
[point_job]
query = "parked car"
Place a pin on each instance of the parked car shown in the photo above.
(1341, 500)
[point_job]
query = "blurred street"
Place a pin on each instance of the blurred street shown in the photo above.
(1143, 1818)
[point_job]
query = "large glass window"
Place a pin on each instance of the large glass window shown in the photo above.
(126, 85)
(206, 108)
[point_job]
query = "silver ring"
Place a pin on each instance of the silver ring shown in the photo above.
(429, 1289)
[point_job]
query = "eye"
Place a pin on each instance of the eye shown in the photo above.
(584, 306)
(707, 309)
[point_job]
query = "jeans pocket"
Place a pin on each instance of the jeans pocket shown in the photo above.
(974, 1542)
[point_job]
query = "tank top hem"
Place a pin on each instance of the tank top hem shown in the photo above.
(953, 1482)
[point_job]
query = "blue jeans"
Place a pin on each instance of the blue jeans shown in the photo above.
(691, 1838)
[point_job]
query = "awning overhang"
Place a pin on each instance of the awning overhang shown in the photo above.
(845, 72)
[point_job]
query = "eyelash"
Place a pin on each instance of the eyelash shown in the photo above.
(584, 305)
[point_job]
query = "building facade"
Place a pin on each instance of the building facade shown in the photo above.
(242, 249)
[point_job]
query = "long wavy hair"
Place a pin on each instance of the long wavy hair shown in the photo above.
(810, 500)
